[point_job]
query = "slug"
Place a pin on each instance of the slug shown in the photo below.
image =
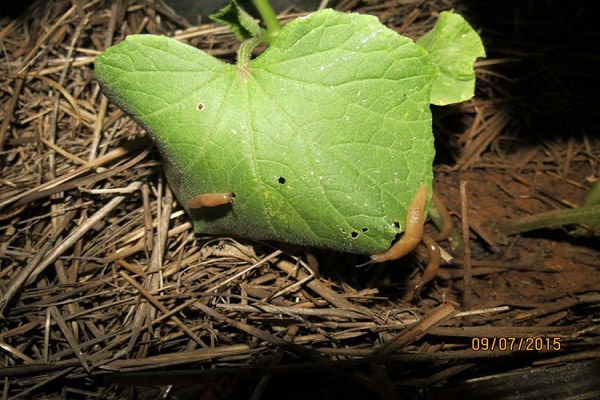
(413, 232)
(210, 200)
(433, 266)
(431, 270)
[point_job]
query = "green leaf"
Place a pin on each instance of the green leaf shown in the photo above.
(453, 47)
(593, 197)
(324, 138)
(242, 24)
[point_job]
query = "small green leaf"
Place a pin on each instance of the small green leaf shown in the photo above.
(242, 24)
(453, 47)
(324, 138)
(593, 197)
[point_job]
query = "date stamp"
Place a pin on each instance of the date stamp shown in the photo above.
(516, 344)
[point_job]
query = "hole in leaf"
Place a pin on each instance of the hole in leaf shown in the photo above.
(200, 106)
(354, 234)
(342, 230)
(365, 229)
(397, 224)
(281, 180)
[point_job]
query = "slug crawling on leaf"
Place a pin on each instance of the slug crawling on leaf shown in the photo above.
(413, 235)
(210, 200)
(413, 232)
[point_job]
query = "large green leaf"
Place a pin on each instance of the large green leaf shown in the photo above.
(324, 138)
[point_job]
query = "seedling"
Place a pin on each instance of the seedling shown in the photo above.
(325, 138)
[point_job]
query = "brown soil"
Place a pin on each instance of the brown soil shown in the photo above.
(106, 293)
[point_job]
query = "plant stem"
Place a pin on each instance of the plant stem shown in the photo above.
(245, 51)
(268, 16)
(455, 240)
(582, 215)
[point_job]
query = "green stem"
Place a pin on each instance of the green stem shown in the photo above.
(268, 16)
(583, 215)
(245, 51)
(455, 239)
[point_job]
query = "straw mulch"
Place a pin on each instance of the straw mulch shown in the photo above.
(105, 291)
